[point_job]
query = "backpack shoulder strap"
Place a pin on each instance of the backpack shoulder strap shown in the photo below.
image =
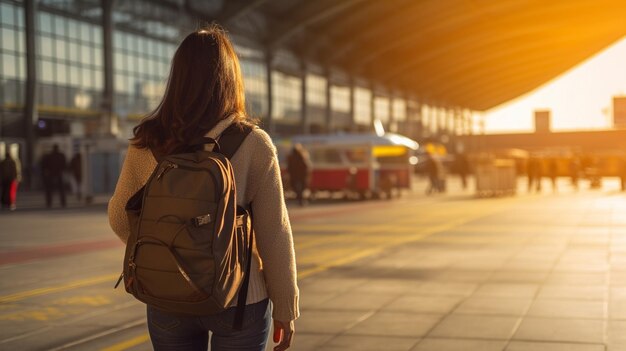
(157, 157)
(232, 137)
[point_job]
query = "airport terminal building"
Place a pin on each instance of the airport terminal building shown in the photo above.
(82, 73)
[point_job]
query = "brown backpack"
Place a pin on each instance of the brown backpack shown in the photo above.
(190, 245)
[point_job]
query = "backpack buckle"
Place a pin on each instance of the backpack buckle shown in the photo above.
(202, 220)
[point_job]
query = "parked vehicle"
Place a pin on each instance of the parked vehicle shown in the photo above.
(358, 165)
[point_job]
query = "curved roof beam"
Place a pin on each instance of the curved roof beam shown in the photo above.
(357, 38)
(427, 20)
(314, 11)
(449, 31)
(476, 51)
(235, 10)
(470, 90)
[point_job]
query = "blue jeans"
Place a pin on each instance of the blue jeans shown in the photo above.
(172, 332)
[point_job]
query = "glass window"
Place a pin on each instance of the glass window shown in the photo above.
(97, 35)
(118, 40)
(118, 60)
(97, 57)
(21, 63)
(46, 46)
(98, 80)
(9, 66)
(61, 50)
(87, 79)
(85, 55)
(144, 66)
(47, 72)
(62, 74)
(316, 90)
(46, 95)
(20, 18)
(382, 109)
(8, 40)
(74, 75)
(8, 14)
(59, 26)
(121, 83)
(85, 32)
(362, 107)
(21, 42)
(74, 32)
(399, 110)
(340, 98)
(45, 22)
(73, 52)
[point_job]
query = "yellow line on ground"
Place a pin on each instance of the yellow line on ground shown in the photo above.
(53, 289)
(425, 232)
(128, 343)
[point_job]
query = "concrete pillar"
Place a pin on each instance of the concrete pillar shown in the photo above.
(303, 102)
(352, 102)
(372, 105)
(108, 121)
(391, 116)
(30, 105)
(270, 94)
(329, 107)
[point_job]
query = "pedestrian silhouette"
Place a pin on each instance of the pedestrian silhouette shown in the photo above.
(76, 170)
(553, 172)
(9, 178)
(299, 169)
(53, 166)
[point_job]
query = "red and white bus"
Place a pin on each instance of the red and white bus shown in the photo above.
(364, 165)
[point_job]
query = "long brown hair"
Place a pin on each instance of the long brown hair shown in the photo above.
(204, 86)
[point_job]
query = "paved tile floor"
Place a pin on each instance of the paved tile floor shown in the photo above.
(541, 272)
(527, 273)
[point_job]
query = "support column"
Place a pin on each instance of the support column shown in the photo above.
(108, 121)
(372, 105)
(303, 103)
(329, 107)
(390, 112)
(408, 118)
(270, 94)
(30, 106)
(352, 102)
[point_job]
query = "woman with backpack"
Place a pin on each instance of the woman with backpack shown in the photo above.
(204, 97)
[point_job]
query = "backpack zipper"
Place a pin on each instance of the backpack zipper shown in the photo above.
(166, 169)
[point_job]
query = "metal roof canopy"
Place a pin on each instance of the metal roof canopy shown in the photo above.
(475, 54)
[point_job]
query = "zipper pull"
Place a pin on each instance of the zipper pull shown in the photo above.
(119, 280)
(165, 169)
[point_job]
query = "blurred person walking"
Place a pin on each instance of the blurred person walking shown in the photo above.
(553, 173)
(463, 167)
(9, 179)
(534, 174)
(53, 167)
(204, 97)
(434, 171)
(574, 170)
(622, 173)
(299, 169)
(76, 171)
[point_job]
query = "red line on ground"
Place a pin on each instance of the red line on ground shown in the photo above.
(51, 251)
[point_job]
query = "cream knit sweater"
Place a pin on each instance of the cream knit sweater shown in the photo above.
(258, 181)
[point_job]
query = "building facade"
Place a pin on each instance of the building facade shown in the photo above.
(96, 67)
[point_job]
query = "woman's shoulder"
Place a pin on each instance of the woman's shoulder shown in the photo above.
(260, 141)
(139, 155)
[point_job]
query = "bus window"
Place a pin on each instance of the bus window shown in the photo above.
(357, 155)
(325, 156)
